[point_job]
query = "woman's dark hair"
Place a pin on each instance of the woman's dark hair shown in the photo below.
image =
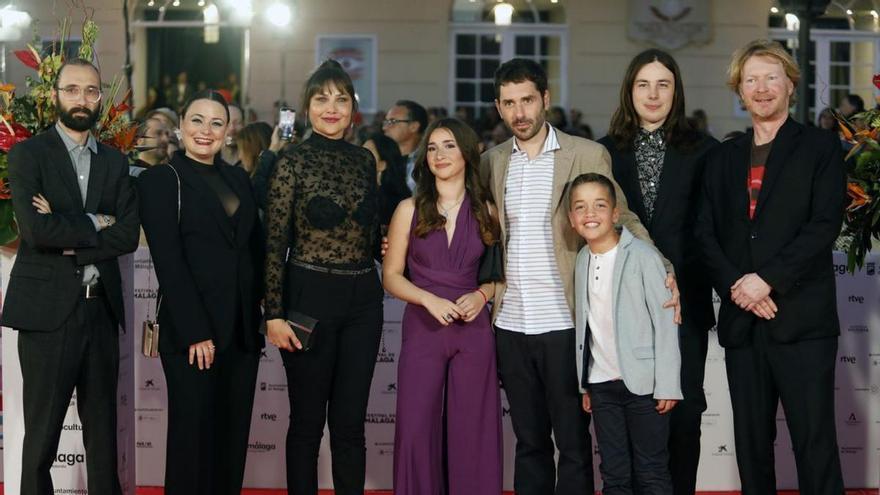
(429, 219)
(264, 127)
(392, 185)
(591, 178)
(205, 94)
(252, 139)
(329, 72)
(625, 123)
(386, 147)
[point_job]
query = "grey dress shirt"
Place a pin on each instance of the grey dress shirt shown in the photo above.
(81, 157)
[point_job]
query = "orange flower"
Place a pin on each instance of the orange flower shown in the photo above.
(846, 132)
(859, 197)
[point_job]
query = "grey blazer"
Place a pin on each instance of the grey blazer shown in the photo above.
(647, 338)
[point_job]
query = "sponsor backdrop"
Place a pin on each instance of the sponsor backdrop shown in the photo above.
(68, 470)
(858, 403)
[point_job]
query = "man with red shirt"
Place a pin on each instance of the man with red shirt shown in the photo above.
(771, 209)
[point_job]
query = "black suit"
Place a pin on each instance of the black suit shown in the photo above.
(672, 229)
(209, 270)
(788, 244)
(66, 341)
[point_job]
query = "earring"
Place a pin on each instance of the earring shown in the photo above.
(178, 134)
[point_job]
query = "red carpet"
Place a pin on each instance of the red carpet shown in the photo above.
(158, 491)
(144, 490)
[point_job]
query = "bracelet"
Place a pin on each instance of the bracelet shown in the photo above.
(485, 299)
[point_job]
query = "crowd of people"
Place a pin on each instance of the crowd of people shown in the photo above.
(597, 259)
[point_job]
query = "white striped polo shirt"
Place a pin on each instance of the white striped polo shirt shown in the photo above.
(534, 301)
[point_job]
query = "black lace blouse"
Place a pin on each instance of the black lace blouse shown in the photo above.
(322, 206)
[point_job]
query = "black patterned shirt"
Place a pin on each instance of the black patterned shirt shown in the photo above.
(322, 208)
(650, 148)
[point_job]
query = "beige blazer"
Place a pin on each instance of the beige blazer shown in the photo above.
(576, 156)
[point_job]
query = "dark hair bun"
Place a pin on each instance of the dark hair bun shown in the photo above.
(331, 64)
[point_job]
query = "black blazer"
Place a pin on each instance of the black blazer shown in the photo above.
(672, 225)
(45, 284)
(210, 274)
(789, 242)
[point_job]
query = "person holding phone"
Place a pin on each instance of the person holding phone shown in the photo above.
(322, 218)
(267, 158)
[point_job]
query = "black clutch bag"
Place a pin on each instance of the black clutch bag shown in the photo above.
(491, 265)
(303, 327)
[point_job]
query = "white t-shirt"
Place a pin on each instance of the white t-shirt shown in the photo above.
(604, 365)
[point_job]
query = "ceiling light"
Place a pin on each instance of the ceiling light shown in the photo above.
(503, 12)
(849, 12)
(278, 14)
(792, 23)
(774, 10)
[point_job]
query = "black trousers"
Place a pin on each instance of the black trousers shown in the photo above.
(801, 375)
(330, 383)
(82, 354)
(687, 416)
(539, 376)
(632, 439)
(209, 421)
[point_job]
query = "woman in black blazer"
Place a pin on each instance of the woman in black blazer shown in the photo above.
(658, 159)
(200, 219)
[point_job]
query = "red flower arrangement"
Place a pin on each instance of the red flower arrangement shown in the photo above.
(862, 220)
(22, 116)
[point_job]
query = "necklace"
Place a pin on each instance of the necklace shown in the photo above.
(445, 211)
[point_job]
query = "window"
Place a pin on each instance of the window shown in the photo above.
(844, 62)
(479, 47)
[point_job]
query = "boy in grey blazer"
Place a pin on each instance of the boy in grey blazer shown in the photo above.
(627, 352)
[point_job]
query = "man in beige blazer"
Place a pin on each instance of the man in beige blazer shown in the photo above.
(532, 314)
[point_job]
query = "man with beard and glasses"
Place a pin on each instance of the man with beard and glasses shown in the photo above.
(533, 311)
(77, 213)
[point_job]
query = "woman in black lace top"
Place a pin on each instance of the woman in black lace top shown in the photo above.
(323, 223)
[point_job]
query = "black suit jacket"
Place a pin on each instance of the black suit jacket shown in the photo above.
(672, 225)
(210, 273)
(789, 241)
(45, 284)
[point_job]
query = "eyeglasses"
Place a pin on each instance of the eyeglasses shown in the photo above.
(93, 94)
(391, 122)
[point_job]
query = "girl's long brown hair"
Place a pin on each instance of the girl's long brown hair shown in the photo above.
(429, 219)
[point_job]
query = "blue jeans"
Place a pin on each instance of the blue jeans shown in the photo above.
(632, 439)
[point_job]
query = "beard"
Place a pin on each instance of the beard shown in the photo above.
(535, 126)
(79, 123)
